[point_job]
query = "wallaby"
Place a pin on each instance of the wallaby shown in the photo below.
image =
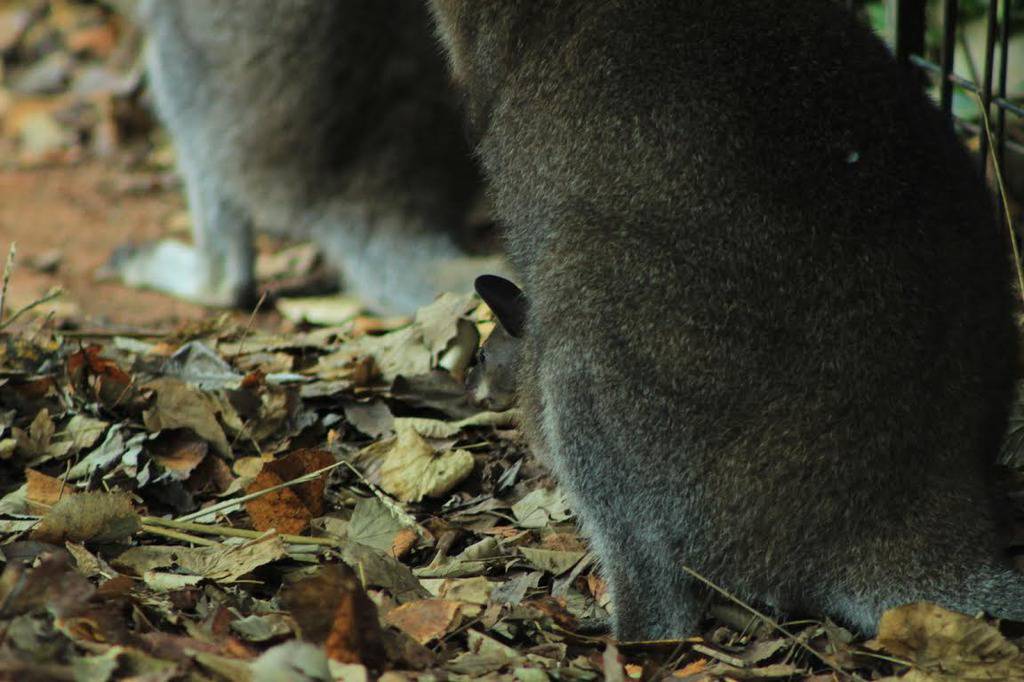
(491, 381)
(769, 334)
(330, 120)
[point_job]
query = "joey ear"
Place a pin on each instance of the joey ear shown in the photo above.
(506, 300)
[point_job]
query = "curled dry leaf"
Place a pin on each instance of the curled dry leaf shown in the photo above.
(332, 609)
(222, 563)
(541, 508)
(945, 646)
(89, 517)
(412, 470)
(42, 491)
(181, 406)
(427, 619)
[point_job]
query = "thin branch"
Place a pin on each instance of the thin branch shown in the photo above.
(235, 502)
(53, 293)
(228, 531)
(771, 623)
(8, 269)
(1001, 186)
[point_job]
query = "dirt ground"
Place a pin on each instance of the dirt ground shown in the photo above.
(77, 216)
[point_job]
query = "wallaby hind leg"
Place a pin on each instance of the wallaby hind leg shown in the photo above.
(393, 267)
(218, 270)
(652, 597)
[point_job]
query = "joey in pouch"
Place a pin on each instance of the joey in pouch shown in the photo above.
(333, 121)
(491, 382)
(769, 334)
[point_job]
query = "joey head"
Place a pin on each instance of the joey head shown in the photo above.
(491, 382)
(769, 332)
(332, 121)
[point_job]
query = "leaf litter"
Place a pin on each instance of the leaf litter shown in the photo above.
(258, 529)
(229, 503)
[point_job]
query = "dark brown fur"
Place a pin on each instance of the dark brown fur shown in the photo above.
(769, 333)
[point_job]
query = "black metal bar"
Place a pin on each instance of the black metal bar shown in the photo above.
(910, 25)
(986, 88)
(1004, 58)
(949, 15)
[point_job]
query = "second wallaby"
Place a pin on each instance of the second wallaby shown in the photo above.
(769, 333)
(333, 121)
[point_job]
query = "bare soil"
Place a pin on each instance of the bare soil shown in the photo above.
(83, 213)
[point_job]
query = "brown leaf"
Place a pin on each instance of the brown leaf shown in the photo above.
(110, 384)
(181, 406)
(179, 452)
(85, 517)
(332, 608)
(405, 539)
(948, 646)
(225, 563)
(427, 619)
(51, 582)
(289, 510)
(410, 468)
(42, 491)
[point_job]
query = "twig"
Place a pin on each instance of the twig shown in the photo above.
(8, 269)
(176, 535)
(770, 622)
(213, 509)
(719, 655)
(1001, 186)
(52, 294)
(107, 334)
(249, 323)
(388, 502)
(227, 531)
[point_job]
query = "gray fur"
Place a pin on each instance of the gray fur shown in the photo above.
(315, 119)
(769, 334)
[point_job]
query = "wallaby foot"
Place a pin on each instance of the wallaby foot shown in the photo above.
(181, 270)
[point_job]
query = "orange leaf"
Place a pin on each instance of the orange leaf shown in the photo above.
(289, 510)
(281, 509)
(331, 607)
(425, 620)
(44, 491)
(693, 668)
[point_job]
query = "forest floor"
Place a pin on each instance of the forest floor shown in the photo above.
(192, 494)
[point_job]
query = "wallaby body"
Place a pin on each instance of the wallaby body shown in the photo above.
(770, 326)
(330, 120)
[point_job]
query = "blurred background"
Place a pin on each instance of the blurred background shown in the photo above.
(84, 166)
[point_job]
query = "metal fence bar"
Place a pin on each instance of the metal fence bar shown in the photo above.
(1004, 59)
(986, 89)
(949, 17)
(909, 31)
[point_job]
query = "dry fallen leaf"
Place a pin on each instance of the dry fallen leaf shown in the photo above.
(332, 609)
(89, 517)
(427, 619)
(180, 406)
(944, 646)
(44, 491)
(412, 470)
(290, 509)
(225, 563)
